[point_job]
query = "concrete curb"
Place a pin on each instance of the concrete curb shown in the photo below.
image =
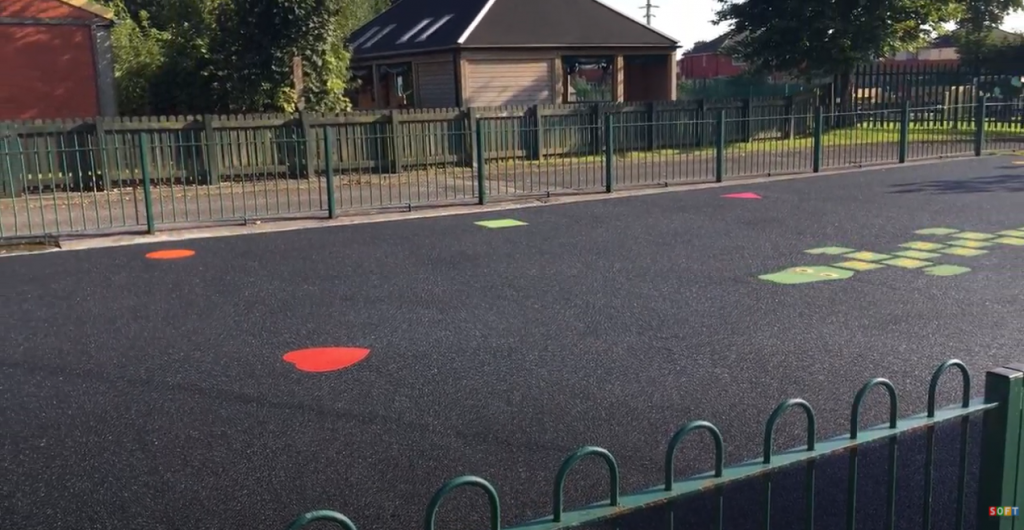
(282, 226)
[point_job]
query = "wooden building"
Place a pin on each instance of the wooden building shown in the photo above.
(486, 53)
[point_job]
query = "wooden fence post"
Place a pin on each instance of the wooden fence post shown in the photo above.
(212, 151)
(396, 143)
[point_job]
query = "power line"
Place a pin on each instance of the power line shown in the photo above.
(648, 11)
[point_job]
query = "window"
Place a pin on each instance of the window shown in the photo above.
(365, 36)
(378, 36)
(587, 79)
(433, 28)
(413, 31)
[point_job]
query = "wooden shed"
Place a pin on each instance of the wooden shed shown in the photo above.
(56, 60)
(486, 53)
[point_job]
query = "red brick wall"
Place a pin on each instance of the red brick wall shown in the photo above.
(707, 66)
(46, 71)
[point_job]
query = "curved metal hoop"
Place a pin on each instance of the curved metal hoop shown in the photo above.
(965, 401)
(769, 428)
(862, 393)
(322, 515)
(670, 453)
(467, 480)
(567, 465)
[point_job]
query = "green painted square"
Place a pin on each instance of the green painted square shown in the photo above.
(1015, 241)
(858, 265)
(922, 245)
(500, 223)
(936, 231)
(867, 256)
(970, 243)
(946, 270)
(916, 254)
(974, 235)
(907, 263)
(831, 251)
(963, 251)
(1012, 233)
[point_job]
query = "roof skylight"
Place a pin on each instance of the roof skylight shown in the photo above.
(433, 28)
(413, 31)
(378, 36)
(364, 37)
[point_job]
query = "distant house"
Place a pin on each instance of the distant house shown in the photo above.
(56, 59)
(943, 50)
(486, 53)
(709, 60)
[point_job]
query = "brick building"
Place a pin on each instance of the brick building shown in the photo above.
(56, 60)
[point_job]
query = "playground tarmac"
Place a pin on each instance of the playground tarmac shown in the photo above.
(161, 393)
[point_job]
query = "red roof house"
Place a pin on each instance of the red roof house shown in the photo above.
(57, 60)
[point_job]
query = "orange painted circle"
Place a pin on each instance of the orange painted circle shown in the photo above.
(171, 254)
(325, 359)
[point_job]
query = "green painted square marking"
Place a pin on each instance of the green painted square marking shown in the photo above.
(858, 265)
(974, 235)
(500, 223)
(963, 251)
(907, 263)
(970, 243)
(936, 231)
(831, 251)
(1015, 241)
(946, 270)
(1012, 233)
(922, 245)
(867, 256)
(916, 254)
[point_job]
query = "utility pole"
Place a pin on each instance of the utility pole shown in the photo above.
(649, 11)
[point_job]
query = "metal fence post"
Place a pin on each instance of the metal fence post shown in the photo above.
(720, 146)
(979, 126)
(332, 207)
(1000, 447)
(147, 192)
(904, 132)
(609, 154)
(481, 173)
(819, 125)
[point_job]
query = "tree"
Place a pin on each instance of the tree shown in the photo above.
(812, 39)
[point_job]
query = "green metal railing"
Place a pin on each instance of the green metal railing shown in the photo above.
(1002, 454)
(103, 176)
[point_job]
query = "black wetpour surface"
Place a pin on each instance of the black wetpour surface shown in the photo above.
(146, 394)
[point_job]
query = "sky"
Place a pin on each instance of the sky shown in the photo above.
(690, 20)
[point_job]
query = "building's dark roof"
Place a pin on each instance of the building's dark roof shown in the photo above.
(998, 35)
(499, 23)
(713, 46)
(561, 23)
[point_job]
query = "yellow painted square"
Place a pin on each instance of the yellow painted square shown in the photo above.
(907, 263)
(922, 245)
(963, 251)
(973, 235)
(1012, 233)
(858, 265)
(1015, 241)
(970, 243)
(867, 256)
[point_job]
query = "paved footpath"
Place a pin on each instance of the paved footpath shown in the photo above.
(144, 393)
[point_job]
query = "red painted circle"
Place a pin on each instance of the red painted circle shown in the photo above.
(325, 359)
(171, 254)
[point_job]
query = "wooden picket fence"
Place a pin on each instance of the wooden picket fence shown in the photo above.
(104, 153)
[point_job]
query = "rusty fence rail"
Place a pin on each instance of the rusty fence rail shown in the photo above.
(999, 485)
(144, 175)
